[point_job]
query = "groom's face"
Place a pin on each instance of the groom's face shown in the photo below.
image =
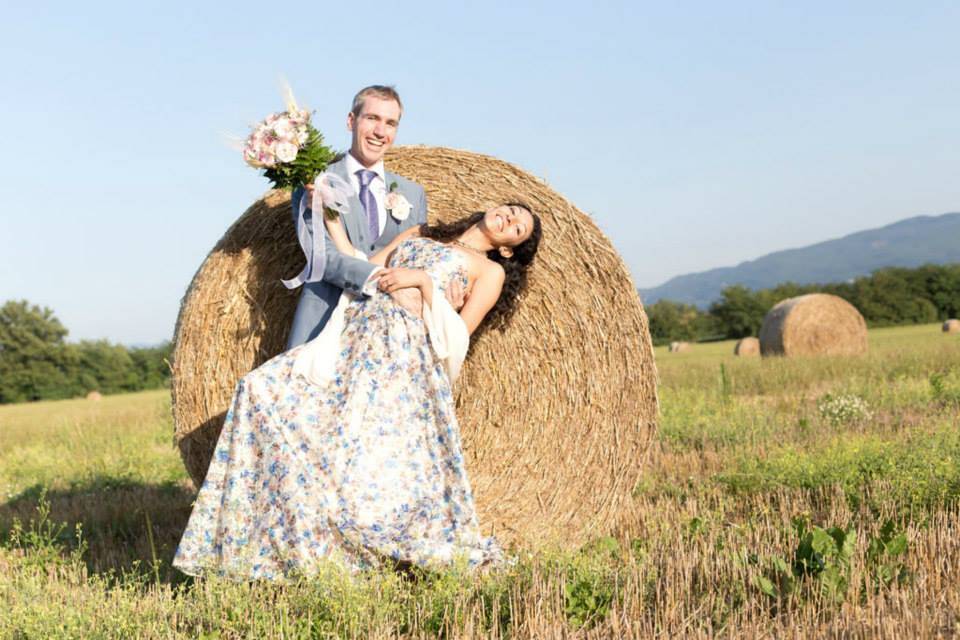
(374, 129)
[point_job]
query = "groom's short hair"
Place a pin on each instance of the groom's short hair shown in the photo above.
(382, 91)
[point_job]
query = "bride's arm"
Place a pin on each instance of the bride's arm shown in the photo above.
(338, 235)
(339, 238)
(380, 257)
(486, 291)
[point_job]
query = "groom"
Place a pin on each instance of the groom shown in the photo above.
(373, 123)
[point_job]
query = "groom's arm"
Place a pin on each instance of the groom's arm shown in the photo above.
(340, 270)
(346, 272)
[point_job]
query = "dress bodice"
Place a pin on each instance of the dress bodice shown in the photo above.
(441, 261)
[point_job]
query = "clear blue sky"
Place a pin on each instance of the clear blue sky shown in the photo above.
(697, 134)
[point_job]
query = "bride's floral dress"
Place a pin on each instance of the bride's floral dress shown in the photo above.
(366, 466)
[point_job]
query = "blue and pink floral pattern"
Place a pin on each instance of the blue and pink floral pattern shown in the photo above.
(364, 467)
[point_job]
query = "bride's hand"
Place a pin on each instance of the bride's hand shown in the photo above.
(393, 278)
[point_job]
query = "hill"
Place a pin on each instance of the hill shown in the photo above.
(907, 243)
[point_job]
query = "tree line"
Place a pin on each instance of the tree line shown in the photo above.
(37, 363)
(887, 297)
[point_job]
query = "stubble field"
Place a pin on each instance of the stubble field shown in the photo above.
(782, 498)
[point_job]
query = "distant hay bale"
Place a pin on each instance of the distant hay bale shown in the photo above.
(678, 347)
(94, 395)
(813, 324)
(747, 347)
(556, 413)
(951, 326)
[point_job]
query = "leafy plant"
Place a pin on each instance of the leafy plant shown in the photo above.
(885, 556)
(821, 561)
(587, 598)
(945, 388)
(590, 587)
(726, 388)
(42, 541)
(825, 554)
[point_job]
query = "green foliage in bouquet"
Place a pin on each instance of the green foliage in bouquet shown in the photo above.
(312, 159)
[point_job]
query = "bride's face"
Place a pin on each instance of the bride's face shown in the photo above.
(507, 225)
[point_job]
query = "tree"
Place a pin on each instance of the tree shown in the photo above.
(152, 365)
(33, 356)
(37, 364)
(942, 285)
(674, 321)
(105, 367)
(740, 311)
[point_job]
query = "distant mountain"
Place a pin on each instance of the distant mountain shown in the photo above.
(908, 243)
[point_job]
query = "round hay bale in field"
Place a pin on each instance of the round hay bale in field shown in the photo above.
(94, 395)
(557, 412)
(813, 324)
(747, 347)
(678, 347)
(951, 326)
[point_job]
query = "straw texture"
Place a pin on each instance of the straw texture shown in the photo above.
(747, 347)
(813, 324)
(557, 412)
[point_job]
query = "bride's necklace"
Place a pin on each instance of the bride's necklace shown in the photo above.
(464, 245)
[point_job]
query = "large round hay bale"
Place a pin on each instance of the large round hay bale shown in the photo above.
(951, 326)
(556, 413)
(95, 396)
(678, 347)
(813, 324)
(747, 347)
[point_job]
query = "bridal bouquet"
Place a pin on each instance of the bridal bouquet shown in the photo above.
(287, 147)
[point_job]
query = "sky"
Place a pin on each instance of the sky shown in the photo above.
(696, 134)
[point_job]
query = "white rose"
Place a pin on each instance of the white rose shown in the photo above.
(286, 151)
(282, 128)
(398, 206)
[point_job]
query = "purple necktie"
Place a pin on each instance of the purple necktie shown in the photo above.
(369, 203)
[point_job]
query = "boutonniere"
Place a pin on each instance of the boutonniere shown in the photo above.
(398, 206)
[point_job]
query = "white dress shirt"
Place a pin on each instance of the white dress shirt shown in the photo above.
(378, 186)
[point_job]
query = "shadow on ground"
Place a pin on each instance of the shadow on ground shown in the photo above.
(114, 515)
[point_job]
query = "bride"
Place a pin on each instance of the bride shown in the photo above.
(347, 448)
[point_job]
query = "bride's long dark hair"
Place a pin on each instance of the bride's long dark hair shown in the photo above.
(515, 267)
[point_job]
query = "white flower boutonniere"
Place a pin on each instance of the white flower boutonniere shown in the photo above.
(398, 206)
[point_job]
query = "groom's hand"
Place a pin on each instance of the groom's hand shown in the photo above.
(455, 293)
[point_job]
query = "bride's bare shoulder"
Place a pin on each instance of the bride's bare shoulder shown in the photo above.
(493, 269)
(412, 232)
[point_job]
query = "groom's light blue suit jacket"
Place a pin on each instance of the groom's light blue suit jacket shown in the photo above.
(346, 273)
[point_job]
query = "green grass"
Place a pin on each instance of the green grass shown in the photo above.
(93, 498)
